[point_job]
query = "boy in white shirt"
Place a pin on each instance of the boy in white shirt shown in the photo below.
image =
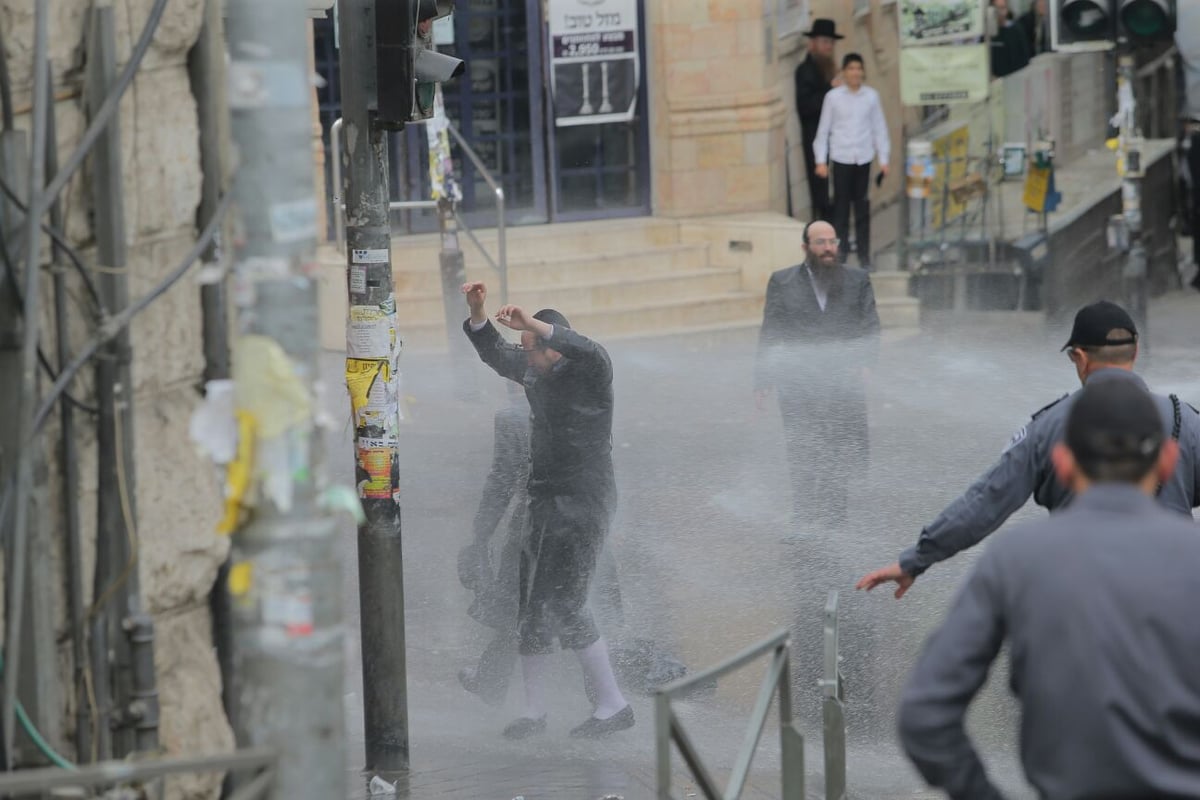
(852, 133)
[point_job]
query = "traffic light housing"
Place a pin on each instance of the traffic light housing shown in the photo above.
(1146, 20)
(407, 68)
(1082, 25)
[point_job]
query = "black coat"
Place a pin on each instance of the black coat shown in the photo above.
(814, 359)
(811, 88)
(571, 413)
(801, 347)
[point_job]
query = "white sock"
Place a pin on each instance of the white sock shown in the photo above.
(599, 672)
(533, 668)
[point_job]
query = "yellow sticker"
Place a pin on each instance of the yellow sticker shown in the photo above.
(239, 473)
(367, 380)
(241, 578)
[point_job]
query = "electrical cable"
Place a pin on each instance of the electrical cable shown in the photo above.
(113, 325)
(60, 239)
(45, 362)
(17, 557)
(36, 736)
(107, 109)
(6, 103)
(130, 524)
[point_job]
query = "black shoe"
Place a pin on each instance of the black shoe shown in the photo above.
(524, 727)
(593, 728)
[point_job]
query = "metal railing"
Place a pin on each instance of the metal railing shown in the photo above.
(669, 729)
(832, 711)
(499, 263)
(38, 782)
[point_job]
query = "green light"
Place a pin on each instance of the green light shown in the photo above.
(1144, 18)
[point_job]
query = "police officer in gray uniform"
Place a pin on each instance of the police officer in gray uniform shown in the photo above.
(1097, 603)
(1103, 347)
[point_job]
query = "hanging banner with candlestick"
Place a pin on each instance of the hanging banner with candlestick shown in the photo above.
(594, 63)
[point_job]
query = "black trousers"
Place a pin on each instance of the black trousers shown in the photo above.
(850, 185)
(818, 188)
(557, 564)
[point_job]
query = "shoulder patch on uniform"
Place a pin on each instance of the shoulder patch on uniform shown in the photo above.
(1017, 438)
(1048, 406)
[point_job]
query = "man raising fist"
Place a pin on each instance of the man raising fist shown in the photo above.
(572, 496)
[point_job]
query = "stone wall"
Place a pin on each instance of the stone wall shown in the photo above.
(177, 494)
(716, 112)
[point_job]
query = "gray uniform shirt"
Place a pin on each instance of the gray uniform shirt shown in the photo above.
(1098, 604)
(1024, 469)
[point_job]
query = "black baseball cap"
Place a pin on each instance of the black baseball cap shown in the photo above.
(1114, 421)
(1094, 322)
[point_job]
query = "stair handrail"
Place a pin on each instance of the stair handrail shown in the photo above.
(499, 263)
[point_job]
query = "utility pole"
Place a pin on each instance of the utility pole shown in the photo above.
(286, 574)
(372, 356)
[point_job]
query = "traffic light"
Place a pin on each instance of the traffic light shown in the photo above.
(407, 68)
(1146, 20)
(1080, 25)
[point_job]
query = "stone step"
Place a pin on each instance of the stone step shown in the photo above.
(597, 295)
(890, 284)
(741, 311)
(525, 274)
(533, 242)
(898, 312)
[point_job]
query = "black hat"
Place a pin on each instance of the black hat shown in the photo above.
(1093, 324)
(824, 27)
(1114, 420)
(552, 317)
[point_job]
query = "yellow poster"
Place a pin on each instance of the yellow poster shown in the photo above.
(952, 146)
(1037, 186)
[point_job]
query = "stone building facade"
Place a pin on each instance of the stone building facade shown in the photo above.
(177, 494)
(724, 133)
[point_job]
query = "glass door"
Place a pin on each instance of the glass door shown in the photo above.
(596, 71)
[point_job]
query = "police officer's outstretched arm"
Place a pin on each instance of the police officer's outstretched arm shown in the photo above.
(979, 511)
(509, 361)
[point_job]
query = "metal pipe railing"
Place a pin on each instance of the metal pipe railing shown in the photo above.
(35, 781)
(833, 711)
(501, 216)
(500, 263)
(668, 727)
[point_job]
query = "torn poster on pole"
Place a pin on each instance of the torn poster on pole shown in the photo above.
(594, 64)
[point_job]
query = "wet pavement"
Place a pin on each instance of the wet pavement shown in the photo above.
(707, 562)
